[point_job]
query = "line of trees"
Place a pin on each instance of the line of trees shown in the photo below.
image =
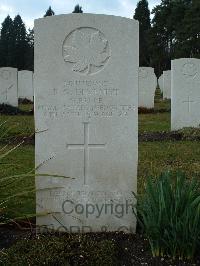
(17, 43)
(173, 32)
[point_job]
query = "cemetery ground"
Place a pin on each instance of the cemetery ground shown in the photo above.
(159, 150)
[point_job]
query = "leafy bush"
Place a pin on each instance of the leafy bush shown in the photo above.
(170, 215)
(24, 101)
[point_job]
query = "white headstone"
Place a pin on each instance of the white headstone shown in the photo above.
(25, 84)
(8, 86)
(185, 102)
(86, 100)
(147, 87)
(160, 83)
(167, 84)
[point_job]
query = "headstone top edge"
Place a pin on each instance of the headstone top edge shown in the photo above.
(8, 68)
(185, 58)
(39, 20)
(20, 71)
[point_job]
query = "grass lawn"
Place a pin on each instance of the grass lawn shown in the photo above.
(18, 162)
(154, 157)
(19, 125)
(157, 121)
(154, 122)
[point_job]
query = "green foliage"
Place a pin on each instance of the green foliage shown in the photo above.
(142, 14)
(49, 12)
(6, 42)
(170, 215)
(175, 32)
(189, 34)
(77, 9)
(15, 45)
(63, 250)
(20, 43)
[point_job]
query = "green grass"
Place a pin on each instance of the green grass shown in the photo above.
(154, 158)
(26, 107)
(20, 125)
(154, 122)
(17, 162)
(162, 105)
(158, 121)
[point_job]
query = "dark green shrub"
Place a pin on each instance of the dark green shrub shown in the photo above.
(6, 109)
(170, 215)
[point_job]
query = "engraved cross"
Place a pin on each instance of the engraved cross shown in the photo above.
(188, 101)
(86, 147)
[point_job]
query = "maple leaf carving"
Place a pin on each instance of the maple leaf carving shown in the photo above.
(87, 50)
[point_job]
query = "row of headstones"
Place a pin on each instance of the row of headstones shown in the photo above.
(86, 119)
(182, 86)
(164, 83)
(19, 84)
(15, 84)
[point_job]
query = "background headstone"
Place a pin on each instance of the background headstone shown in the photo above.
(167, 84)
(185, 102)
(86, 100)
(8, 86)
(160, 83)
(147, 87)
(25, 84)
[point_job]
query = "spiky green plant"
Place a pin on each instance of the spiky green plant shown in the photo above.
(170, 215)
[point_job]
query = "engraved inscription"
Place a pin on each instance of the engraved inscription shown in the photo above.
(88, 196)
(86, 145)
(87, 50)
(86, 98)
(189, 70)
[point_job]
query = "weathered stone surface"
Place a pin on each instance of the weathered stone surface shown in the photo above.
(25, 84)
(167, 84)
(185, 102)
(160, 83)
(8, 86)
(86, 104)
(147, 87)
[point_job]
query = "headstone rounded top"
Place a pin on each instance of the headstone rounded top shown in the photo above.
(86, 50)
(86, 15)
(143, 73)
